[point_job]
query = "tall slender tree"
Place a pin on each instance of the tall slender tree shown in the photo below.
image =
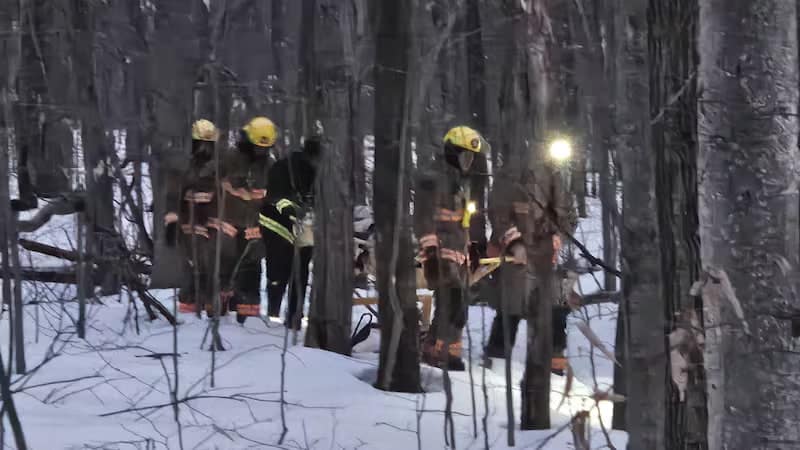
(398, 368)
(643, 297)
(747, 168)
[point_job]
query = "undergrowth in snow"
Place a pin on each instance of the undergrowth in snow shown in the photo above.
(113, 390)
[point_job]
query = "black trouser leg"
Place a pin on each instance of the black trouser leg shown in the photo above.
(496, 347)
(560, 314)
(299, 283)
(248, 278)
(280, 254)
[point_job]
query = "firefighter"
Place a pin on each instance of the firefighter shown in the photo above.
(444, 207)
(529, 209)
(286, 226)
(243, 178)
(193, 203)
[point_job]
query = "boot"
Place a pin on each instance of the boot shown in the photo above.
(558, 364)
(455, 364)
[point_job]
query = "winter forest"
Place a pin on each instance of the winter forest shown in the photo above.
(399, 224)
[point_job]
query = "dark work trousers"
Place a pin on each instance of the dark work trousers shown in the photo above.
(247, 282)
(496, 348)
(280, 259)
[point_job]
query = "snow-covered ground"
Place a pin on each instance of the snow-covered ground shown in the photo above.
(113, 390)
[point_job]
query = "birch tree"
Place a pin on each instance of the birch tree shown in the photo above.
(747, 129)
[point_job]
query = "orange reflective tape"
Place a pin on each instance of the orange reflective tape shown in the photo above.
(252, 233)
(197, 229)
(223, 226)
(248, 310)
(429, 240)
(187, 307)
(453, 349)
(446, 215)
(258, 194)
(198, 197)
(241, 193)
(556, 248)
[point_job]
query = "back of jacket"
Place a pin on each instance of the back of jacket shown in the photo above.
(292, 178)
(244, 186)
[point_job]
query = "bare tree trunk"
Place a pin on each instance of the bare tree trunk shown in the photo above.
(673, 111)
(331, 306)
(532, 28)
(9, 46)
(747, 128)
(398, 368)
(644, 303)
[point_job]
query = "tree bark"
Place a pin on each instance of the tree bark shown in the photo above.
(398, 368)
(747, 129)
(643, 295)
(331, 305)
(674, 123)
(531, 28)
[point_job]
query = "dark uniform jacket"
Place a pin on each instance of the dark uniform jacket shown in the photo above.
(529, 207)
(244, 188)
(441, 196)
(290, 192)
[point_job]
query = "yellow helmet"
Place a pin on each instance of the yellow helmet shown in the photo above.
(261, 131)
(204, 130)
(464, 137)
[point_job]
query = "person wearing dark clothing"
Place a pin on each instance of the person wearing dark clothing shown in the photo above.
(243, 176)
(528, 210)
(192, 202)
(287, 229)
(444, 226)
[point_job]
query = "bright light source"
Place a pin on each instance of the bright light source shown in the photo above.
(472, 207)
(560, 150)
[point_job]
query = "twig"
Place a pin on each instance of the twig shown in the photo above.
(485, 389)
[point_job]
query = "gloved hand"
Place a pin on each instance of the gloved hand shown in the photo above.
(519, 253)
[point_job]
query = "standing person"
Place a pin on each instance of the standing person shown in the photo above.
(525, 232)
(243, 179)
(443, 209)
(193, 201)
(290, 199)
